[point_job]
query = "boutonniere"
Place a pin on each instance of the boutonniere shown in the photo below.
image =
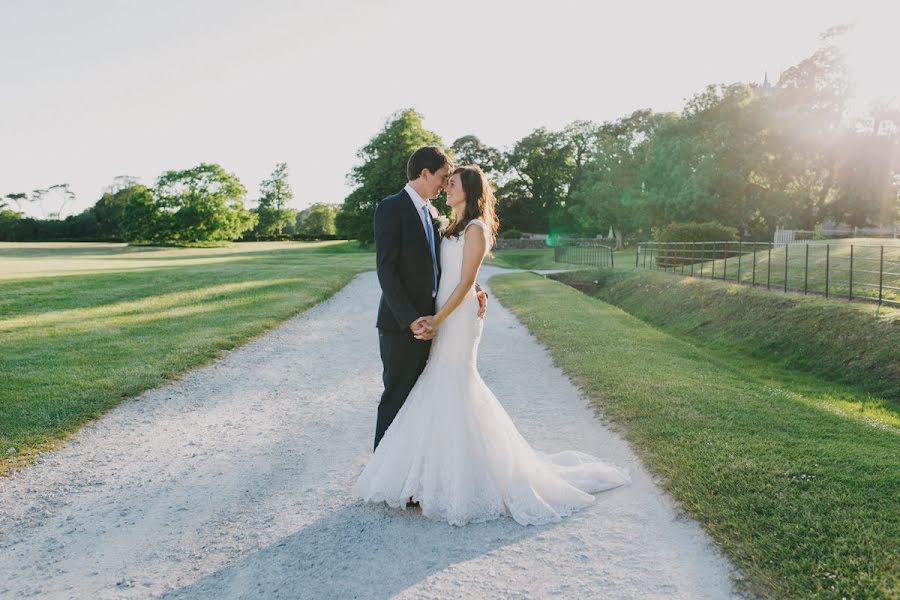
(442, 223)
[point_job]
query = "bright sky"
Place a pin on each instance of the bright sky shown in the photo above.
(92, 89)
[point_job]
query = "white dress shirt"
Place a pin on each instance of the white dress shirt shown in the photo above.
(418, 202)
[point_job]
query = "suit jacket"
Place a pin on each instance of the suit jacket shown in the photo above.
(403, 263)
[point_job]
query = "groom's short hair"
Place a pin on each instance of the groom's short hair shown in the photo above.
(426, 157)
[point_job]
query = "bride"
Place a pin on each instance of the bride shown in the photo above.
(452, 447)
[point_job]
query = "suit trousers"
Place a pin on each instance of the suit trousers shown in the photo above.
(403, 358)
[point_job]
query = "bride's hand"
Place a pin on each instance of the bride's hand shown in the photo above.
(431, 323)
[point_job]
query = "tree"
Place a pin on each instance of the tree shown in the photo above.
(17, 198)
(9, 222)
(541, 169)
(58, 194)
(274, 194)
(866, 180)
(205, 203)
(603, 195)
(143, 219)
(382, 171)
(710, 163)
(200, 204)
(469, 150)
(110, 208)
(317, 221)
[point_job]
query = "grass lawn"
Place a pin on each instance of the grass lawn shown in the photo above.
(542, 258)
(803, 499)
(83, 326)
(526, 258)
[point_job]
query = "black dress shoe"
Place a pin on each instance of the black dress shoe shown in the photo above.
(411, 504)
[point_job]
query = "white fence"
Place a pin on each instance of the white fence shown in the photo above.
(784, 237)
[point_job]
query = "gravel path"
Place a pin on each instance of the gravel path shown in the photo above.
(232, 482)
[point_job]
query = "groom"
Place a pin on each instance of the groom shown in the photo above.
(407, 251)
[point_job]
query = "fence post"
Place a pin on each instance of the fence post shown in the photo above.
(880, 275)
(786, 246)
(612, 260)
(740, 254)
(637, 255)
(769, 270)
(806, 271)
(713, 267)
(753, 277)
(851, 272)
(725, 265)
(827, 264)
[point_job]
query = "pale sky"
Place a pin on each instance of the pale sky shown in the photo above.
(92, 89)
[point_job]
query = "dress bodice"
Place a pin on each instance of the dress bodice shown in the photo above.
(461, 331)
(451, 261)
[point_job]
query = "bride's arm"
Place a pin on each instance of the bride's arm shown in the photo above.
(473, 253)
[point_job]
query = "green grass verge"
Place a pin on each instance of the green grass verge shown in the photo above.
(838, 341)
(83, 326)
(802, 499)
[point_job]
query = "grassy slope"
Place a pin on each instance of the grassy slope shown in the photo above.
(799, 497)
(854, 344)
(867, 260)
(84, 325)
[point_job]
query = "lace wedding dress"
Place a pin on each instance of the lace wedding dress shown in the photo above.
(454, 449)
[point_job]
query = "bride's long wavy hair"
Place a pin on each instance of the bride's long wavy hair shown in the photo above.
(480, 202)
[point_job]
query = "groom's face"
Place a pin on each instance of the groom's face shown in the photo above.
(435, 182)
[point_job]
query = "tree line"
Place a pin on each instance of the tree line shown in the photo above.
(197, 205)
(750, 157)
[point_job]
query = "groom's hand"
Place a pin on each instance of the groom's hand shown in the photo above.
(482, 303)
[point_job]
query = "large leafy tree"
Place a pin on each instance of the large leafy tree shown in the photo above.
(144, 220)
(540, 169)
(604, 191)
(201, 204)
(274, 194)
(469, 150)
(708, 164)
(318, 220)
(381, 172)
(109, 210)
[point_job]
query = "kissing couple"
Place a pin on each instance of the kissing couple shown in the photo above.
(443, 442)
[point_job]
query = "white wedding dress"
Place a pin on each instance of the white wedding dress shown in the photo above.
(454, 449)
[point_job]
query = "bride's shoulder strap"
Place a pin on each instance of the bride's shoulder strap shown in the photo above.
(479, 222)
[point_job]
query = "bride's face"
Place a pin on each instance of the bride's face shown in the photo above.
(456, 197)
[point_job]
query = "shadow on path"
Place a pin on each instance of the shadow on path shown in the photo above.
(358, 551)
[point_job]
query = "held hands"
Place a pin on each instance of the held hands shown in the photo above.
(424, 328)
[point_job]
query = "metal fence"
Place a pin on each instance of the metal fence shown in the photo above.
(866, 272)
(584, 252)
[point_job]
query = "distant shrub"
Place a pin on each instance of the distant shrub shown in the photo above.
(686, 233)
(511, 234)
(697, 232)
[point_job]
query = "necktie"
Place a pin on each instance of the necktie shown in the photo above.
(429, 234)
